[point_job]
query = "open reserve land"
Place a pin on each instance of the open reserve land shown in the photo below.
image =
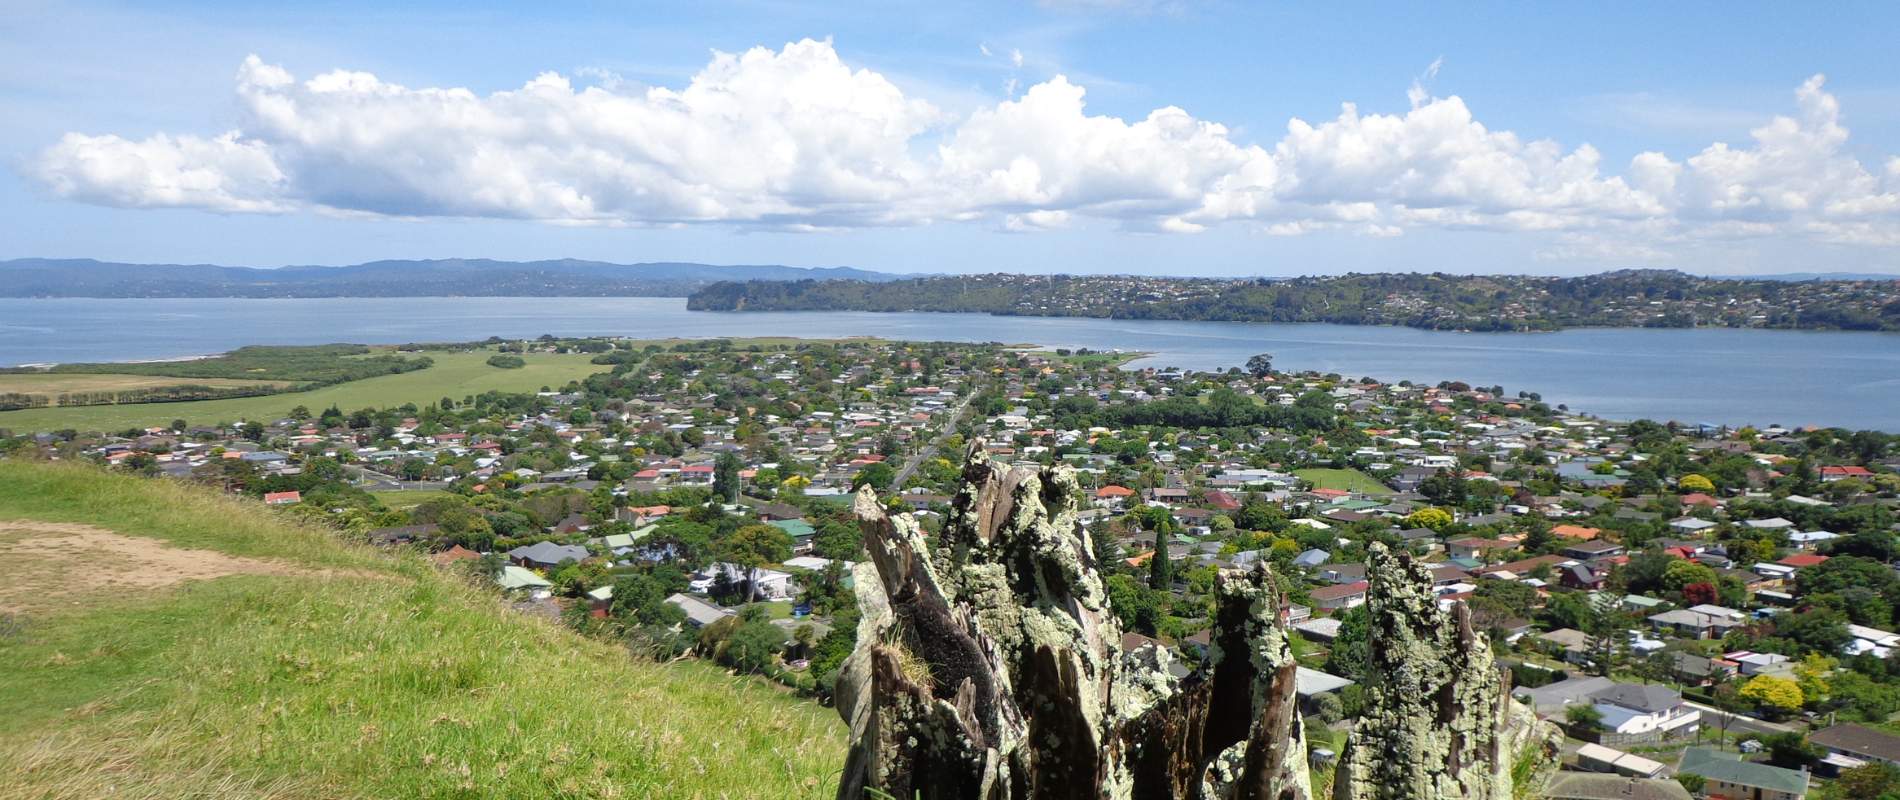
(454, 374)
(163, 640)
(53, 384)
(1345, 480)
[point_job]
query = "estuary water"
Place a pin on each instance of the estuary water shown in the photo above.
(1718, 376)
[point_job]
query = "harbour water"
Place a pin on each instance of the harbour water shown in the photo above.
(1719, 376)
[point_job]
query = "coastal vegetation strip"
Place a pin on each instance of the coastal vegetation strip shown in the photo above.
(312, 364)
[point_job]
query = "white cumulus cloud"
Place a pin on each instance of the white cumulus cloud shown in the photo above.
(1045, 152)
(223, 173)
(797, 139)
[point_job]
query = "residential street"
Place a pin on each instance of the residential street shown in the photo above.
(1737, 724)
(930, 451)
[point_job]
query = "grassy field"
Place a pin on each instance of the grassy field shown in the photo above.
(454, 375)
(1345, 480)
(408, 498)
(349, 673)
(52, 384)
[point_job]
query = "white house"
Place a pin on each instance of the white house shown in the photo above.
(772, 584)
(1630, 708)
(1751, 664)
(1871, 640)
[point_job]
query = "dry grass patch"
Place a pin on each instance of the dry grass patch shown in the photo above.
(54, 565)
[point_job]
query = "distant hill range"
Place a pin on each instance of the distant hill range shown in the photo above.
(47, 277)
(1816, 276)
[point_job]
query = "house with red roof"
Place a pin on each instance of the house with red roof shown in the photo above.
(1802, 560)
(1113, 496)
(1476, 547)
(1841, 473)
(1221, 501)
(1339, 597)
(1578, 532)
(1699, 499)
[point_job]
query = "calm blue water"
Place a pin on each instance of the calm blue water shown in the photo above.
(1718, 376)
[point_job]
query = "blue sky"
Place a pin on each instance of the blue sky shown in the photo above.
(914, 137)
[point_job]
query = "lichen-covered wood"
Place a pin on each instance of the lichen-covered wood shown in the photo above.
(990, 666)
(1439, 719)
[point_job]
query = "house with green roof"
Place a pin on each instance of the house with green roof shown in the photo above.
(519, 579)
(800, 531)
(1726, 775)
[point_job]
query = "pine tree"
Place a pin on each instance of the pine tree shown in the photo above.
(726, 477)
(1161, 578)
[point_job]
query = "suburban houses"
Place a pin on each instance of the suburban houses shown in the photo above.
(1678, 600)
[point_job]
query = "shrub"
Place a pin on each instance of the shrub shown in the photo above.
(753, 647)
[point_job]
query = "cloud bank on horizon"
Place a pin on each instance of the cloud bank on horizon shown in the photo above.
(796, 139)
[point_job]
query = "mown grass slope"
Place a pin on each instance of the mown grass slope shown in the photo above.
(364, 675)
(453, 375)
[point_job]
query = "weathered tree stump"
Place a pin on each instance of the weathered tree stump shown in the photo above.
(1439, 719)
(990, 666)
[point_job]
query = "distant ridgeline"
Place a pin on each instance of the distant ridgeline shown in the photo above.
(43, 277)
(1625, 298)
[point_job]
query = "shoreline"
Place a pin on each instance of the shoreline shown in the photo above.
(993, 314)
(1719, 376)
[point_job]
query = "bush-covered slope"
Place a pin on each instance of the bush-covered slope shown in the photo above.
(360, 674)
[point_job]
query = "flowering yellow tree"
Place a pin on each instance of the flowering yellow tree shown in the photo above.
(1776, 694)
(1695, 483)
(1811, 675)
(1433, 518)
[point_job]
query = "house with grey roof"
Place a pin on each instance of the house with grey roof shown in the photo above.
(699, 613)
(1641, 709)
(547, 555)
(1693, 624)
(1553, 698)
(1849, 746)
(1690, 525)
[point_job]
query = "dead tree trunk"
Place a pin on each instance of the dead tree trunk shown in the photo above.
(1439, 719)
(990, 666)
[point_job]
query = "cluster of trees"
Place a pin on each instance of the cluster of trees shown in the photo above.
(167, 394)
(14, 401)
(1221, 408)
